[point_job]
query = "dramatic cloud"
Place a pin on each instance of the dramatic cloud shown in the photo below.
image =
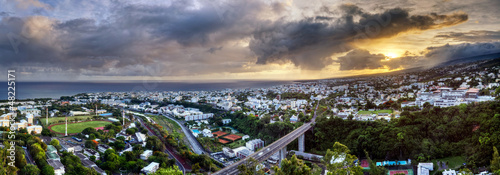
(472, 36)
(310, 43)
(360, 59)
(196, 38)
(450, 52)
(134, 37)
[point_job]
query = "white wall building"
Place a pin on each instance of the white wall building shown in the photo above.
(145, 155)
(151, 168)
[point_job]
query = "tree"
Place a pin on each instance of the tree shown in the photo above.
(293, 166)
(168, 171)
(55, 143)
(90, 144)
(47, 170)
(374, 170)
(30, 170)
(339, 161)
(250, 168)
(495, 162)
(196, 168)
(465, 171)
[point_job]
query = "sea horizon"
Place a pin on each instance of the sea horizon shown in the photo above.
(31, 90)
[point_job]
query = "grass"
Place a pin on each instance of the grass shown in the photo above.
(453, 162)
(54, 120)
(376, 112)
(237, 144)
(79, 127)
(170, 126)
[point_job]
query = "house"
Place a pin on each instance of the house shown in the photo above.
(102, 148)
(245, 137)
(35, 128)
(75, 113)
(91, 152)
(254, 144)
(449, 172)
(122, 133)
(228, 152)
(111, 140)
(66, 147)
(32, 111)
(226, 121)
(52, 153)
(146, 154)
(30, 118)
(207, 133)
(294, 118)
(140, 137)
(126, 150)
(424, 168)
(151, 168)
(57, 165)
(86, 162)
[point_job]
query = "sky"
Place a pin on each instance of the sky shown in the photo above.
(211, 40)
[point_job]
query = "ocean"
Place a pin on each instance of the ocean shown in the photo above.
(30, 90)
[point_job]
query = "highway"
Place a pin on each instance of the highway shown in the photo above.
(269, 150)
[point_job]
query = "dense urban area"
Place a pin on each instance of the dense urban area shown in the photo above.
(443, 120)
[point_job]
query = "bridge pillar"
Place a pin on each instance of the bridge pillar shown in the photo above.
(301, 143)
(282, 155)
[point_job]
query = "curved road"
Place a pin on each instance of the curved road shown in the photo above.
(195, 145)
(269, 150)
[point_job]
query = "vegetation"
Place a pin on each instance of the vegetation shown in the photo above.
(168, 171)
(432, 133)
(293, 166)
(340, 161)
(376, 112)
(73, 165)
(262, 129)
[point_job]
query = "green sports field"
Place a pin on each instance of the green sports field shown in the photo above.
(54, 120)
(376, 112)
(79, 127)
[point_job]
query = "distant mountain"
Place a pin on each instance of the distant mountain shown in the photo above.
(469, 59)
(416, 69)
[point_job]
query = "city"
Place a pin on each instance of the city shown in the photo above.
(218, 131)
(249, 87)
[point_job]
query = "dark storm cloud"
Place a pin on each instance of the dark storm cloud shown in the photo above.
(310, 43)
(359, 59)
(449, 52)
(132, 35)
(212, 50)
(433, 56)
(472, 36)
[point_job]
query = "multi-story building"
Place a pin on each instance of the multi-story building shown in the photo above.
(254, 144)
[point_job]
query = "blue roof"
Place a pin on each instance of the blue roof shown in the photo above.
(106, 114)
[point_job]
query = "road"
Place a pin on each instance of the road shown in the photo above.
(181, 163)
(28, 156)
(269, 150)
(195, 145)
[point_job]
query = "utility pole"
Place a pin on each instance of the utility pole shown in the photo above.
(47, 115)
(66, 134)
